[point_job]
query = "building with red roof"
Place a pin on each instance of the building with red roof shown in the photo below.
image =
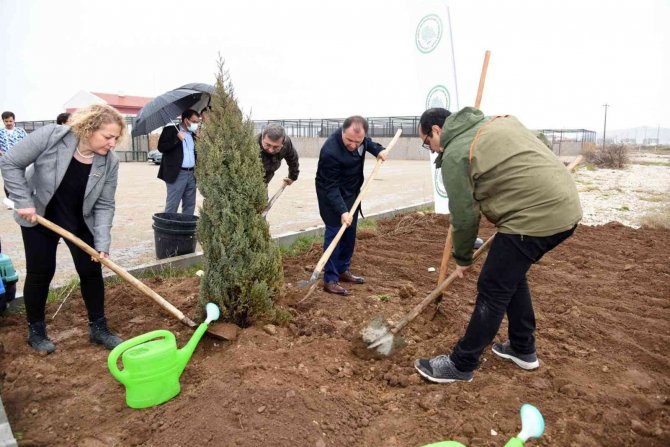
(127, 105)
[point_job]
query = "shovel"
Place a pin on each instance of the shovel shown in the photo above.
(274, 199)
(381, 336)
(446, 254)
(118, 270)
(326, 254)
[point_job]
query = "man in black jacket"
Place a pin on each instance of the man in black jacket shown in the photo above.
(177, 168)
(339, 177)
(276, 146)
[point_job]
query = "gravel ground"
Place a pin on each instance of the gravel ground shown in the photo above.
(629, 196)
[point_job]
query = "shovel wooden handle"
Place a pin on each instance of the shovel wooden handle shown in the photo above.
(438, 290)
(116, 269)
(274, 199)
(482, 78)
(446, 254)
(366, 185)
(573, 164)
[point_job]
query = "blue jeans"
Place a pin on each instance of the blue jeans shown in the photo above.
(181, 191)
(502, 289)
(340, 259)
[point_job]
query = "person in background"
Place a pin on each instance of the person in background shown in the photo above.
(339, 178)
(72, 182)
(10, 134)
(276, 146)
(497, 167)
(177, 167)
(63, 118)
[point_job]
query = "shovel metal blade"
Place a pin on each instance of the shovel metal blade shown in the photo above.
(376, 329)
(223, 331)
(388, 344)
(378, 336)
(314, 278)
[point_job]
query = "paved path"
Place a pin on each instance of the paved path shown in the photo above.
(140, 194)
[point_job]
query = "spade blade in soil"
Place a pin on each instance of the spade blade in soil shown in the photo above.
(223, 331)
(304, 284)
(379, 337)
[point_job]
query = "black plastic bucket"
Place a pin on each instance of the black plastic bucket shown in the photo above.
(174, 234)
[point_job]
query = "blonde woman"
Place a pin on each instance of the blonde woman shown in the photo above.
(72, 182)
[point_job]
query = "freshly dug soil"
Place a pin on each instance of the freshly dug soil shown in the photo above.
(602, 303)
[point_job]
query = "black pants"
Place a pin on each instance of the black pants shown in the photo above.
(503, 288)
(40, 245)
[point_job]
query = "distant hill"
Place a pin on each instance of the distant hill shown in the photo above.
(637, 135)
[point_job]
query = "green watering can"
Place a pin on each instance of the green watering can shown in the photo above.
(152, 364)
(532, 426)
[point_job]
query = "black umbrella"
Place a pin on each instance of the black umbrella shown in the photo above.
(163, 109)
(199, 87)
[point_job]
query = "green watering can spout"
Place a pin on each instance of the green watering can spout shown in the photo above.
(185, 353)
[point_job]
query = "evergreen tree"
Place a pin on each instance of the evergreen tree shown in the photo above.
(243, 270)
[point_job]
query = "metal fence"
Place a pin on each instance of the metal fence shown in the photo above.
(569, 139)
(135, 149)
(378, 126)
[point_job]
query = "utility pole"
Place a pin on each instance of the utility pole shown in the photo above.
(606, 106)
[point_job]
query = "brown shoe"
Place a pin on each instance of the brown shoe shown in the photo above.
(336, 288)
(349, 277)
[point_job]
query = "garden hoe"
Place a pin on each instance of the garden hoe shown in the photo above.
(326, 254)
(382, 337)
(274, 198)
(118, 270)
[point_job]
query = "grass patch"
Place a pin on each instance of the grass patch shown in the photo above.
(428, 209)
(58, 294)
(658, 220)
(169, 272)
(300, 246)
(652, 163)
(367, 224)
(623, 208)
(384, 298)
(654, 199)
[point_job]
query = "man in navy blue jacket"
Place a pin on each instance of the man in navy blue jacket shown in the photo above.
(339, 178)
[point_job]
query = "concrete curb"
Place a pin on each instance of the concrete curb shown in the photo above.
(6, 436)
(283, 240)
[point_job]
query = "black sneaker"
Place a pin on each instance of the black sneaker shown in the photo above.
(525, 361)
(441, 369)
(37, 338)
(99, 333)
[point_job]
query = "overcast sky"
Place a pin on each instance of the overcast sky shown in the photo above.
(553, 64)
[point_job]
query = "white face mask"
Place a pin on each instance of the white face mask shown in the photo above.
(193, 127)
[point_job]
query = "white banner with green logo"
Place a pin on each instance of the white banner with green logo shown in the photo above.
(435, 70)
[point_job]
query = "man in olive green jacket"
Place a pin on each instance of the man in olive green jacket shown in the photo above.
(496, 167)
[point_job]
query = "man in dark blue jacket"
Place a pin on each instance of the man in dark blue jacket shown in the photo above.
(339, 178)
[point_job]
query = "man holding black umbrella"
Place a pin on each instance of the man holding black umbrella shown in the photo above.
(177, 167)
